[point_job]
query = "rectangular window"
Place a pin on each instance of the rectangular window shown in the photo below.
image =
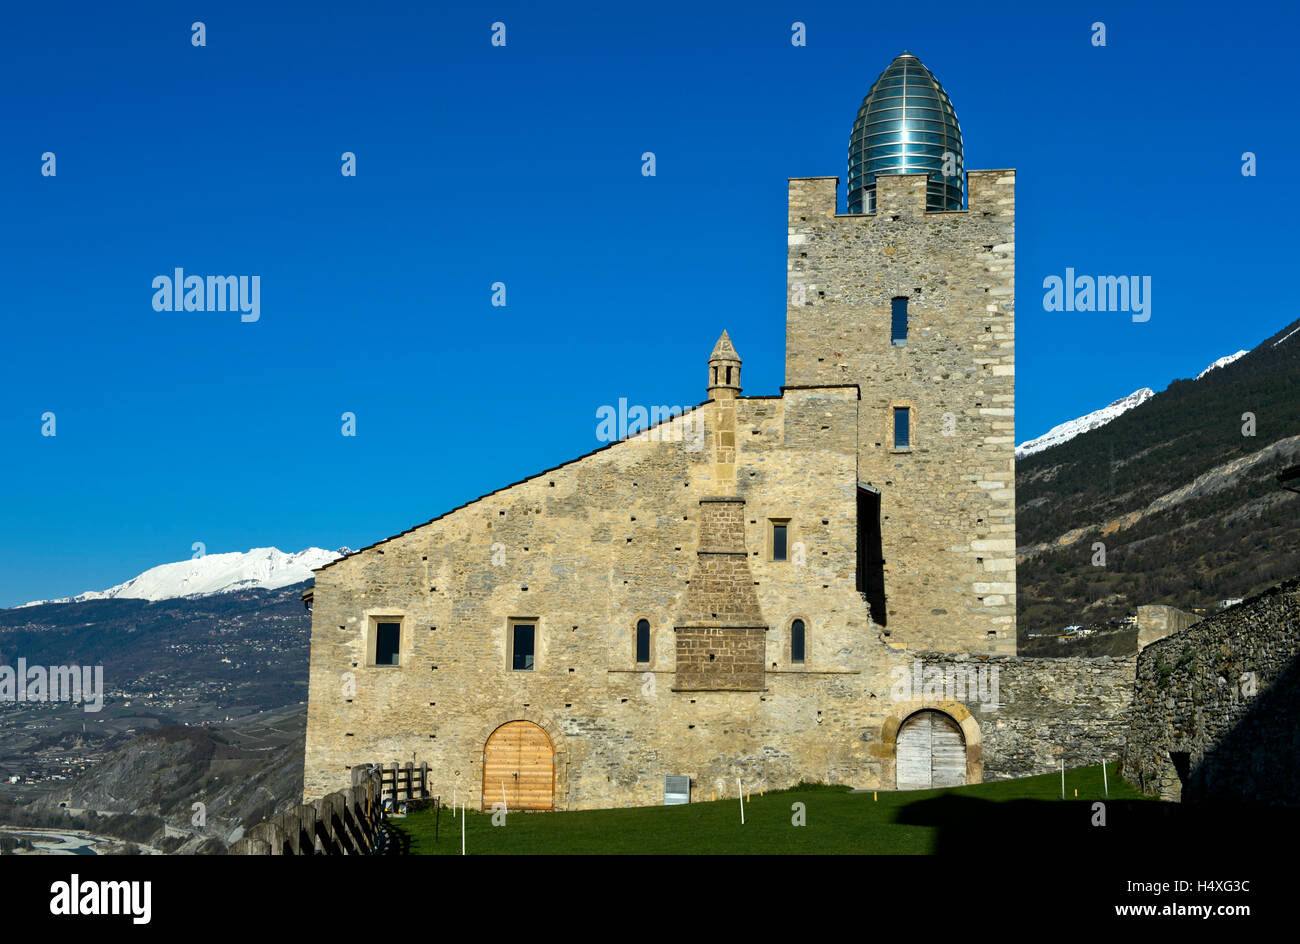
(780, 533)
(523, 642)
(902, 427)
(385, 641)
(898, 328)
(797, 642)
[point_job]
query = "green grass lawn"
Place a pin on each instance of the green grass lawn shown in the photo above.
(837, 821)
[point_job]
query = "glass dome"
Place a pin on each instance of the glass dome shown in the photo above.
(905, 125)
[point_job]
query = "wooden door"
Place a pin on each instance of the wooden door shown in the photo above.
(947, 752)
(930, 752)
(519, 763)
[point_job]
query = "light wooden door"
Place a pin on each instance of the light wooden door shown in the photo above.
(519, 763)
(930, 752)
(947, 752)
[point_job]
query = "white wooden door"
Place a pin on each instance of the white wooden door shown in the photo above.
(930, 752)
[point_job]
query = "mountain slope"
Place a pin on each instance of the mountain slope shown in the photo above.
(1221, 362)
(1184, 500)
(1066, 431)
(240, 775)
(265, 568)
(1071, 428)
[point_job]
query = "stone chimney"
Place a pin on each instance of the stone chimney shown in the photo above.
(720, 630)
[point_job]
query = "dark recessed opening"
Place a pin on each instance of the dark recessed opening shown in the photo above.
(1182, 761)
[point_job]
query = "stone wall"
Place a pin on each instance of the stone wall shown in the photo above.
(948, 501)
(585, 551)
(1051, 710)
(673, 526)
(720, 659)
(1158, 621)
(1216, 709)
(721, 636)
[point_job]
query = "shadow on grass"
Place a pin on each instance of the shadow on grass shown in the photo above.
(967, 824)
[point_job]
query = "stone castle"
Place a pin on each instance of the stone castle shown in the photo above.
(813, 585)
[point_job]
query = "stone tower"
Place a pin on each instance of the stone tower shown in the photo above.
(917, 307)
(724, 388)
(724, 370)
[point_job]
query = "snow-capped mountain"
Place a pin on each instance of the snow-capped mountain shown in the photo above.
(1221, 362)
(1071, 428)
(263, 567)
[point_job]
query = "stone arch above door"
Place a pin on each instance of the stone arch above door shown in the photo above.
(558, 743)
(953, 709)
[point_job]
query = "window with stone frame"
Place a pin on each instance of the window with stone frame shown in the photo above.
(898, 322)
(902, 433)
(384, 647)
(523, 645)
(778, 539)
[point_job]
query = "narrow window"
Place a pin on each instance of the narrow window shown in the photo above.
(728, 375)
(898, 330)
(796, 642)
(902, 427)
(871, 557)
(642, 641)
(388, 643)
(779, 534)
(523, 641)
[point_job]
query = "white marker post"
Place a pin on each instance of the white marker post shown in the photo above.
(1062, 778)
(1104, 780)
(462, 830)
(503, 797)
(740, 790)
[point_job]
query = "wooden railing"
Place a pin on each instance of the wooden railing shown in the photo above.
(342, 823)
(404, 783)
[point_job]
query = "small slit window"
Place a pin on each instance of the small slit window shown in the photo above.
(902, 427)
(642, 642)
(898, 322)
(780, 540)
(797, 642)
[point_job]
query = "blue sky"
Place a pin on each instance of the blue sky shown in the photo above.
(522, 164)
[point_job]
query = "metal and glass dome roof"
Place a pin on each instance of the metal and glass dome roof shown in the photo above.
(905, 125)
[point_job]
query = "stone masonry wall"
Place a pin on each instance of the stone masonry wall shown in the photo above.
(674, 530)
(1158, 621)
(720, 659)
(720, 629)
(1216, 708)
(948, 502)
(618, 728)
(1051, 710)
(584, 551)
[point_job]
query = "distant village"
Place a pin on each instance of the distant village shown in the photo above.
(1134, 619)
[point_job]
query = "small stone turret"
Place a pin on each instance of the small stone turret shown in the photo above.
(724, 370)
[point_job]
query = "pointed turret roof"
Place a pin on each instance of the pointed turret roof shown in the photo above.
(724, 349)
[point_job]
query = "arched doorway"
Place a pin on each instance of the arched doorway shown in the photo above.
(931, 752)
(519, 763)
